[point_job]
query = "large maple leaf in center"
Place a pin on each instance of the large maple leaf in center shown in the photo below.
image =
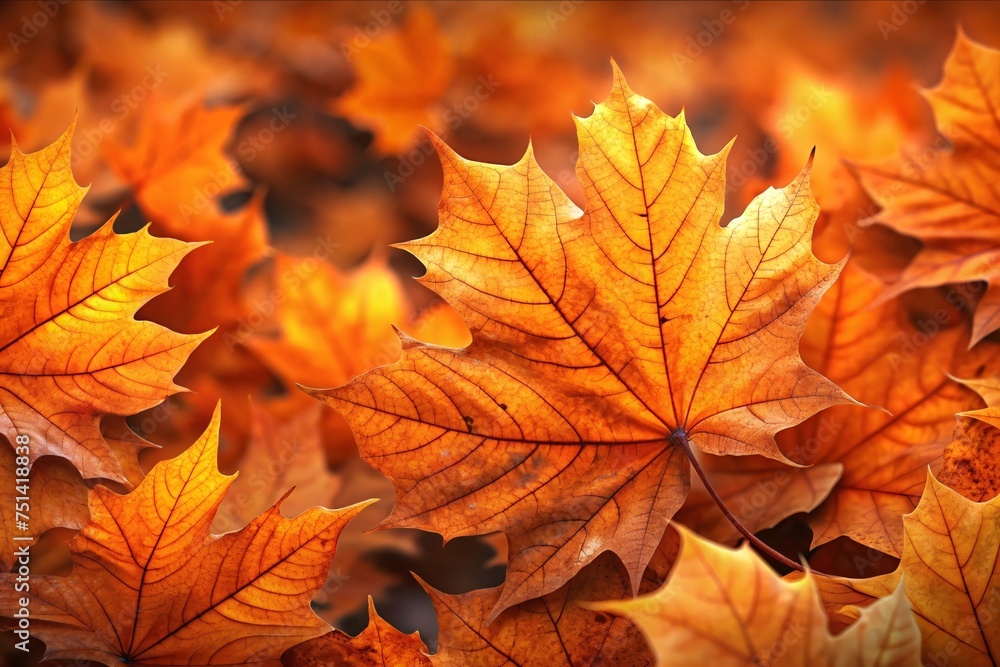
(600, 339)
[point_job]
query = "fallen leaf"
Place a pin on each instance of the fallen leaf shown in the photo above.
(281, 456)
(320, 326)
(879, 356)
(945, 196)
(727, 608)
(70, 350)
(553, 630)
(400, 77)
(177, 166)
(182, 596)
(207, 285)
(600, 343)
(378, 645)
(950, 564)
(55, 494)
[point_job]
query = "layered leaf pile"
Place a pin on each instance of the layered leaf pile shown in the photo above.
(653, 411)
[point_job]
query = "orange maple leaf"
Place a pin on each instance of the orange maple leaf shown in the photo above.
(55, 483)
(151, 585)
(178, 170)
(602, 345)
(904, 364)
(70, 349)
(401, 76)
(728, 609)
(554, 630)
(378, 645)
(946, 197)
(326, 326)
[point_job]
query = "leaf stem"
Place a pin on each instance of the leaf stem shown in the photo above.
(680, 439)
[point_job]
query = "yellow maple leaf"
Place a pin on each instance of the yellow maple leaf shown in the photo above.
(950, 564)
(727, 608)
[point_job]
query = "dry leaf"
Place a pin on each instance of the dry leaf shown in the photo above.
(151, 585)
(950, 564)
(378, 645)
(882, 358)
(971, 460)
(554, 630)
(945, 197)
(728, 609)
(70, 350)
(400, 77)
(326, 326)
(601, 342)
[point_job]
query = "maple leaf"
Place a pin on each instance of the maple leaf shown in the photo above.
(378, 645)
(177, 169)
(151, 585)
(178, 162)
(278, 457)
(602, 344)
(328, 326)
(401, 76)
(207, 285)
(70, 350)
(879, 356)
(56, 484)
(553, 630)
(946, 197)
(727, 608)
(950, 564)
